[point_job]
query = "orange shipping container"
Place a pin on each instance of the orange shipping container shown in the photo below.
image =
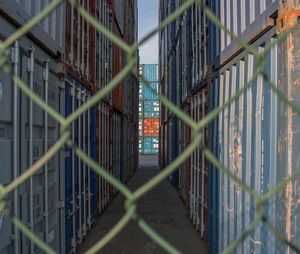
(151, 127)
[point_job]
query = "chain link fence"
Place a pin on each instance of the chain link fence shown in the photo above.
(197, 127)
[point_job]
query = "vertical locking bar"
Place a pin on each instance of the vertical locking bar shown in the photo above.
(15, 62)
(89, 168)
(83, 97)
(79, 168)
(30, 71)
(46, 83)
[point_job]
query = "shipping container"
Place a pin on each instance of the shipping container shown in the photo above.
(118, 64)
(258, 140)
(151, 108)
(49, 34)
(198, 174)
(119, 10)
(150, 145)
(117, 136)
(80, 43)
(104, 156)
(256, 137)
(247, 19)
(80, 180)
(173, 148)
(150, 127)
(146, 93)
(26, 133)
(64, 62)
(149, 72)
(103, 65)
(184, 139)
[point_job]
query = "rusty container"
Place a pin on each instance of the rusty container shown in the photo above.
(151, 127)
(118, 63)
(80, 42)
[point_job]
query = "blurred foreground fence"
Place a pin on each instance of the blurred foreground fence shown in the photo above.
(197, 127)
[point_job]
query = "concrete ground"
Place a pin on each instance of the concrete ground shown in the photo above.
(162, 209)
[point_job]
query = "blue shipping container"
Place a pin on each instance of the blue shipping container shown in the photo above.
(147, 94)
(80, 180)
(151, 109)
(150, 145)
(150, 72)
(248, 139)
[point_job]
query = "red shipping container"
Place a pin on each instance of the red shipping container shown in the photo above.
(151, 127)
(80, 43)
(118, 64)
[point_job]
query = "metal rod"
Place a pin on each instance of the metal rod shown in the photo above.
(82, 41)
(83, 96)
(99, 158)
(191, 172)
(71, 55)
(195, 169)
(202, 170)
(78, 41)
(102, 154)
(89, 169)
(198, 167)
(46, 82)
(107, 151)
(88, 43)
(30, 70)
(73, 213)
(79, 170)
(15, 62)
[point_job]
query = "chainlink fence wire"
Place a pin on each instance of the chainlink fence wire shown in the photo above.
(196, 127)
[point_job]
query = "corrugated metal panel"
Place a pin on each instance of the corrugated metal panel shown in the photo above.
(118, 62)
(103, 47)
(116, 156)
(26, 133)
(213, 175)
(50, 32)
(151, 109)
(104, 157)
(173, 148)
(247, 19)
(187, 54)
(80, 180)
(199, 44)
(183, 143)
(150, 145)
(149, 71)
(150, 127)
(147, 94)
(255, 136)
(248, 145)
(118, 10)
(198, 169)
(80, 45)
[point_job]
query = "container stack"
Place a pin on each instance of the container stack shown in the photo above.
(256, 137)
(149, 110)
(65, 61)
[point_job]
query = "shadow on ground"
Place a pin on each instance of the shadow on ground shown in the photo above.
(163, 210)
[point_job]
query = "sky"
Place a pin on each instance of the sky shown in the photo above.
(148, 19)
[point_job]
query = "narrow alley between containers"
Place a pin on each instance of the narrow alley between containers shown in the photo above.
(162, 209)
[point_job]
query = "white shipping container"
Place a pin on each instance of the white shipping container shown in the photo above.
(49, 32)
